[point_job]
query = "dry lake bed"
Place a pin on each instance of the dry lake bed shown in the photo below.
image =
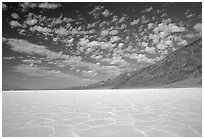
(107, 113)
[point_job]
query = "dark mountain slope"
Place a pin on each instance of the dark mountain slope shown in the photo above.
(185, 63)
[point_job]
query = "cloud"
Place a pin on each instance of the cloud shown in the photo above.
(68, 41)
(15, 16)
(106, 45)
(9, 58)
(104, 33)
(161, 46)
(144, 20)
(4, 39)
(150, 50)
(135, 22)
(144, 44)
(94, 44)
(106, 13)
(4, 7)
(123, 26)
(147, 10)
(115, 38)
(31, 22)
(23, 46)
(190, 15)
(97, 57)
(43, 30)
(163, 15)
(150, 25)
(140, 58)
(47, 5)
(120, 46)
(182, 42)
(61, 31)
(90, 73)
(111, 71)
(40, 71)
(96, 11)
(198, 29)
(14, 24)
(116, 60)
(26, 47)
(187, 11)
(113, 32)
(115, 18)
(26, 5)
(164, 30)
(190, 35)
(122, 19)
(32, 61)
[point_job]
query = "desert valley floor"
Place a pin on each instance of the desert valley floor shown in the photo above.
(118, 113)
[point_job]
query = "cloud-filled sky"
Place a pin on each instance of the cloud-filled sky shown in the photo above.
(60, 45)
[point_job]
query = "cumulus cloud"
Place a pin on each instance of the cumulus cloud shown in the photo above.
(25, 5)
(182, 42)
(140, 58)
(115, 18)
(135, 22)
(120, 45)
(115, 38)
(94, 44)
(44, 30)
(31, 22)
(164, 30)
(189, 35)
(150, 25)
(150, 50)
(113, 32)
(122, 19)
(123, 26)
(144, 20)
(47, 5)
(61, 31)
(147, 10)
(104, 33)
(32, 61)
(96, 12)
(190, 15)
(144, 44)
(106, 13)
(4, 7)
(198, 28)
(161, 46)
(14, 24)
(15, 16)
(107, 45)
(89, 73)
(163, 15)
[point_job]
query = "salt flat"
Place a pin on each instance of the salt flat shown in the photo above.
(95, 113)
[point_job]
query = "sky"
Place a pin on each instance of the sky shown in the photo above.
(60, 45)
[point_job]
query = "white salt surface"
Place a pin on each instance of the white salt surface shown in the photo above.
(107, 113)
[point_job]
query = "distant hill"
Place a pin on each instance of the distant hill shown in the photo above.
(11, 88)
(182, 68)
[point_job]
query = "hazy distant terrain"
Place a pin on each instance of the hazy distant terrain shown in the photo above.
(124, 113)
